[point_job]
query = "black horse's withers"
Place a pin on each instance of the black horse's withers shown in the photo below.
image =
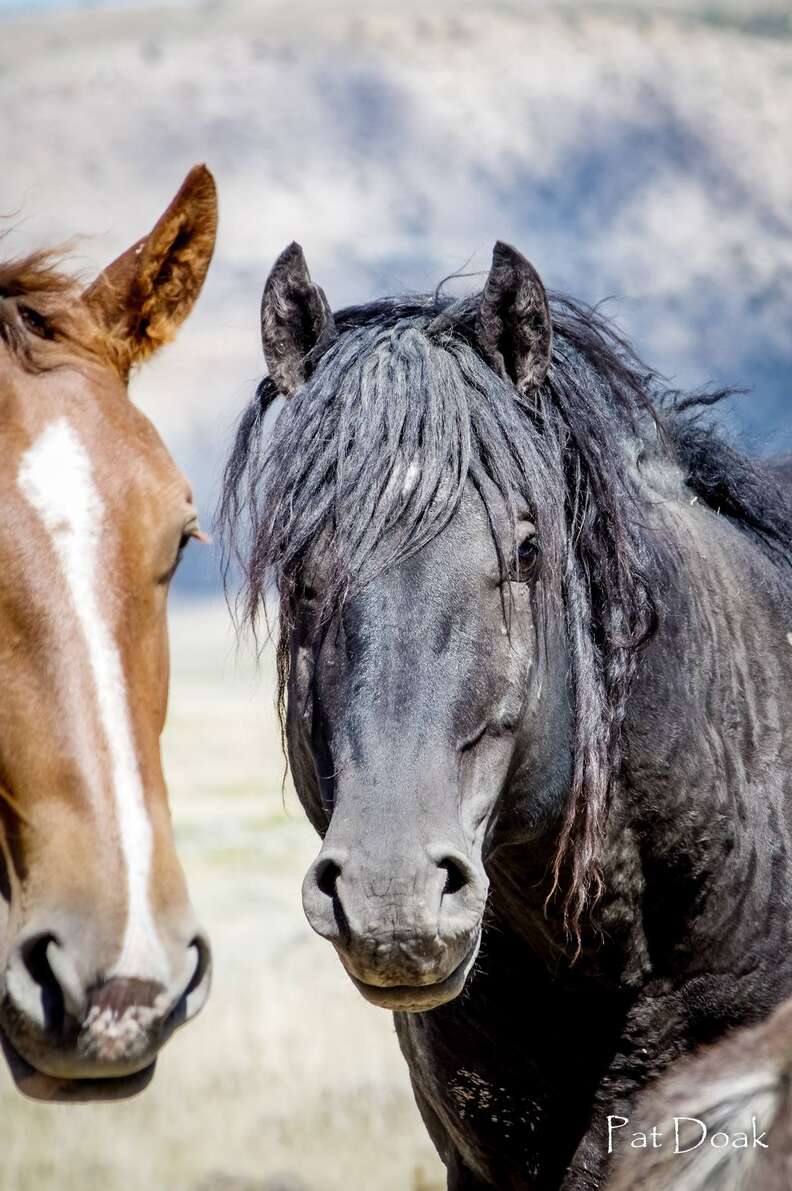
(533, 633)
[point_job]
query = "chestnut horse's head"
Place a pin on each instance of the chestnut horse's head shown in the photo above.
(100, 954)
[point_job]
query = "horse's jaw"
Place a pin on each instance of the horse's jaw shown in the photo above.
(417, 998)
(36, 1085)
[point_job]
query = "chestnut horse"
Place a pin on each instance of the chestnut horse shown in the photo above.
(101, 957)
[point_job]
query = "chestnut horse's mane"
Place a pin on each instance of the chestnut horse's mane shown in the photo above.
(37, 273)
(37, 287)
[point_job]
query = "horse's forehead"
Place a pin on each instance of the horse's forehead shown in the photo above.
(90, 455)
(405, 480)
(410, 475)
(95, 403)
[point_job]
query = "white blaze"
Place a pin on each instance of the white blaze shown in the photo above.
(55, 477)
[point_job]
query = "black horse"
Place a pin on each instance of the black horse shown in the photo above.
(535, 651)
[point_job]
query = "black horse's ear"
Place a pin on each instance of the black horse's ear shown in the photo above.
(513, 325)
(296, 321)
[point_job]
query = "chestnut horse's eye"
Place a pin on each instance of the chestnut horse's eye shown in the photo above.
(183, 543)
(35, 322)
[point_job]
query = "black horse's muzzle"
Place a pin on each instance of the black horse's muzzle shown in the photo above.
(407, 930)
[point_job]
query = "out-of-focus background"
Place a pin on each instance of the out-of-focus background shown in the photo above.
(635, 150)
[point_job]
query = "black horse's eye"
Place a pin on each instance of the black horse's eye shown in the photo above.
(35, 322)
(304, 592)
(526, 558)
(304, 609)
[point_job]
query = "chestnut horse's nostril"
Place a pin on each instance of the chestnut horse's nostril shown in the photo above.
(45, 984)
(196, 992)
(53, 981)
(202, 963)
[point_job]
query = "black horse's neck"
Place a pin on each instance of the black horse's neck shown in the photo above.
(700, 733)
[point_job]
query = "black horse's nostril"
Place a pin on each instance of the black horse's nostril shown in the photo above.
(327, 874)
(456, 877)
(460, 873)
(322, 895)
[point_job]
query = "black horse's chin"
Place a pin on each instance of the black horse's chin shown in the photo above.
(418, 998)
(38, 1086)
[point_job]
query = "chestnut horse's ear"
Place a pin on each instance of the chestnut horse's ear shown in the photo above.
(296, 321)
(141, 299)
(513, 325)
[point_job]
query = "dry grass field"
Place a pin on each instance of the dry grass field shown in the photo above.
(288, 1081)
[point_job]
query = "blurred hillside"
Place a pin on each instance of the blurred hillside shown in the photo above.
(627, 152)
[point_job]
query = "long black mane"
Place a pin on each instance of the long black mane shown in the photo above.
(404, 384)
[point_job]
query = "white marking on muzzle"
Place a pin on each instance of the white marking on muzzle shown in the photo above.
(56, 478)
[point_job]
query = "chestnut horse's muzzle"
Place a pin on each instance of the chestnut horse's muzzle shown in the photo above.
(59, 1029)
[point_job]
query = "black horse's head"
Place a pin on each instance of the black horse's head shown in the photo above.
(419, 505)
